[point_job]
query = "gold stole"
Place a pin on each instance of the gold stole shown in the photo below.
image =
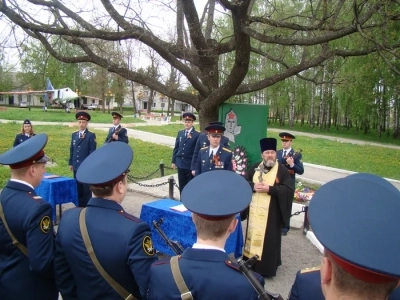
(258, 214)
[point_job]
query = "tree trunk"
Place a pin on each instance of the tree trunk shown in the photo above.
(291, 109)
(133, 98)
(206, 116)
(150, 101)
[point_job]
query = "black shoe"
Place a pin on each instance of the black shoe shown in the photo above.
(284, 233)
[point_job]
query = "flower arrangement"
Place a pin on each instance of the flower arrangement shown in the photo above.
(302, 193)
(239, 160)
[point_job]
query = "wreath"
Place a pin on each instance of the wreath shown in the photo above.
(239, 160)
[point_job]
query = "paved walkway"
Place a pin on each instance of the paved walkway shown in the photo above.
(312, 173)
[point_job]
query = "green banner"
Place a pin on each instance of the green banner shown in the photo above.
(245, 125)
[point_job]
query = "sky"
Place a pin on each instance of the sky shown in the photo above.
(157, 15)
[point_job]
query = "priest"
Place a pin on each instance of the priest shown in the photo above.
(269, 209)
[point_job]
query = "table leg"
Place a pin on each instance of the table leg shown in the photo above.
(59, 212)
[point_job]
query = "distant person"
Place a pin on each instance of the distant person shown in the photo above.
(44, 107)
(26, 133)
(26, 231)
(215, 156)
(355, 218)
(117, 132)
(269, 210)
(292, 161)
(181, 115)
(183, 151)
(203, 141)
(83, 142)
(102, 252)
(205, 271)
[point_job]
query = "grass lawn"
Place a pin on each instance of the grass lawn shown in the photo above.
(59, 115)
(146, 159)
(376, 160)
(342, 132)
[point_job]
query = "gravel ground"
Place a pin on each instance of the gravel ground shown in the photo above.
(297, 251)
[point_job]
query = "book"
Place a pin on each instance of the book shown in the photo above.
(51, 176)
(180, 208)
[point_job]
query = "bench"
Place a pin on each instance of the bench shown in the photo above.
(148, 116)
(165, 120)
(3, 108)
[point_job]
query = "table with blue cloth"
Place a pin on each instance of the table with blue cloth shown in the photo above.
(57, 191)
(178, 226)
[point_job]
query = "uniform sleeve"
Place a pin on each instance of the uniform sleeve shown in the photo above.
(198, 165)
(260, 279)
(294, 293)
(123, 136)
(175, 151)
(108, 136)
(92, 143)
(15, 141)
(195, 154)
(229, 163)
(141, 256)
(64, 277)
(71, 151)
(40, 240)
(284, 193)
(298, 165)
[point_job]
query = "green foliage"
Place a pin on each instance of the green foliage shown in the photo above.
(357, 158)
(147, 156)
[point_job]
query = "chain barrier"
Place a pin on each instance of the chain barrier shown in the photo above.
(169, 168)
(303, 209)
(150, 185)
(176, 185)
(130, 177)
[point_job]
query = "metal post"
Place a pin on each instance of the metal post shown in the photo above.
(306, 224)
(162, 168)
(171, 182)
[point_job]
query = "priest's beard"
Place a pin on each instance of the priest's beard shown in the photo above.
(269, 163)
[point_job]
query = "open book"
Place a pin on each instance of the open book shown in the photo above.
(179, 207)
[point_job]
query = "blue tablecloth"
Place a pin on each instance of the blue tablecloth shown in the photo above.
(58, 190)
(179, 226)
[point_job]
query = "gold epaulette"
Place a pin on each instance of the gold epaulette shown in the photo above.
(307, 270)
(204, 148)
(226, 149)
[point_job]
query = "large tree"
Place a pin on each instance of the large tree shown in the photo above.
(315, 31)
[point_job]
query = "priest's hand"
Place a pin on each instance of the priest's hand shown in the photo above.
(261, 187)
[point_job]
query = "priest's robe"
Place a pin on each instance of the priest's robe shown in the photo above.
(278, 215)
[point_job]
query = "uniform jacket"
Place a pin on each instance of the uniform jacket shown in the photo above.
(184, 148)
(19, 138)
(298, 167)
(121, 242)
(202, 142)
(205, 164)
(29, 219)
(307, 285)
(122, 135)
(208, 274)
(80, 148)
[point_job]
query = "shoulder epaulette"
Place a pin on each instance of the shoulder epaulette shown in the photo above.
(38, 199)
(128, 216)
(226, 149)
(232, 265)
(76, 131)
(308, 270)
(204, 148)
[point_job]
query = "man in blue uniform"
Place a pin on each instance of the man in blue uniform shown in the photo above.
(26, 233)
(361, 251)
(117, 132)
(83, 142)
(215, 156)
(206, 270)
(26, 133)
(307, 284)
(202, 142)
(183, 151)
(102, 252)
(291, 160)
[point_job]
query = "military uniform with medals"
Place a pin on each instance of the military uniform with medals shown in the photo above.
(26, 266)
(219, 158)
(122, 244)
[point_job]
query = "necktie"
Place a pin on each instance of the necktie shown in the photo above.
(284, 153)
(211, 155)
(186, 133)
